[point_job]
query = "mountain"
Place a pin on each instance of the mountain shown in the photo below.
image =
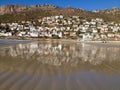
(22, 12)
(112, 14)
(108, 11)
(8, 9)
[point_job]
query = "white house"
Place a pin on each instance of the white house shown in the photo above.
(34, 34)
(86, 37)
(22, 33)
(6, 34)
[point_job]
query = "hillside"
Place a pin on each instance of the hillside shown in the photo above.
(9, 13)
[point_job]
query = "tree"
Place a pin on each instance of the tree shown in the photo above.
(7, 28)
(2, 27)
(78, 32)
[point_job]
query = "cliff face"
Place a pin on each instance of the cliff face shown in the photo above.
(7, 9)
(108, 11)
(43, 6)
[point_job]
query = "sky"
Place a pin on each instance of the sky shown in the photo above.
(84, 4)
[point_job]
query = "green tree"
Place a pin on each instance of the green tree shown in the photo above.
(78, 32)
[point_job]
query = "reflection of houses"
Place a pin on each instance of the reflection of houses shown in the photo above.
(58, 54)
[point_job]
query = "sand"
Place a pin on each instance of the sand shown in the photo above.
(9, 42)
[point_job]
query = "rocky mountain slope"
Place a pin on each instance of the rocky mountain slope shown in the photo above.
(108, 11)
(22, 12)
(7, 9)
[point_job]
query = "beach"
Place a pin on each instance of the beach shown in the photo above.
(97, 43)
(107, 44)
(11, 42)
(59, 64)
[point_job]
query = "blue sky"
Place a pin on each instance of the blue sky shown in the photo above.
(85, 4)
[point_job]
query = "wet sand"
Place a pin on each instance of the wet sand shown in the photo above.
(53, 65)
(80, 81)
(98, 43)
(11, 42)
(107, 44)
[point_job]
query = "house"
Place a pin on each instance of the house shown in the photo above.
(8, 34)
(104, 37)
(21, 34)
(117, 35)
(94, 31)
(115, 29)
(2, 34)
(66, 33)
(73, 34)
(60, 34)
(68, 28)
(86, 37)
(61, 16)
(34, 34)
(111, 35)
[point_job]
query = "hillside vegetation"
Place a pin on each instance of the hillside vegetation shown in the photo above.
(10, 13)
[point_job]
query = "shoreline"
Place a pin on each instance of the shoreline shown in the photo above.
(11, 42)
(16, 40)
(50, 39)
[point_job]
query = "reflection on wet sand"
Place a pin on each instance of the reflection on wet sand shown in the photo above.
(59, 66)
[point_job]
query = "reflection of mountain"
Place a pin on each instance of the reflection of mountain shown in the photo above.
(59, 56)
